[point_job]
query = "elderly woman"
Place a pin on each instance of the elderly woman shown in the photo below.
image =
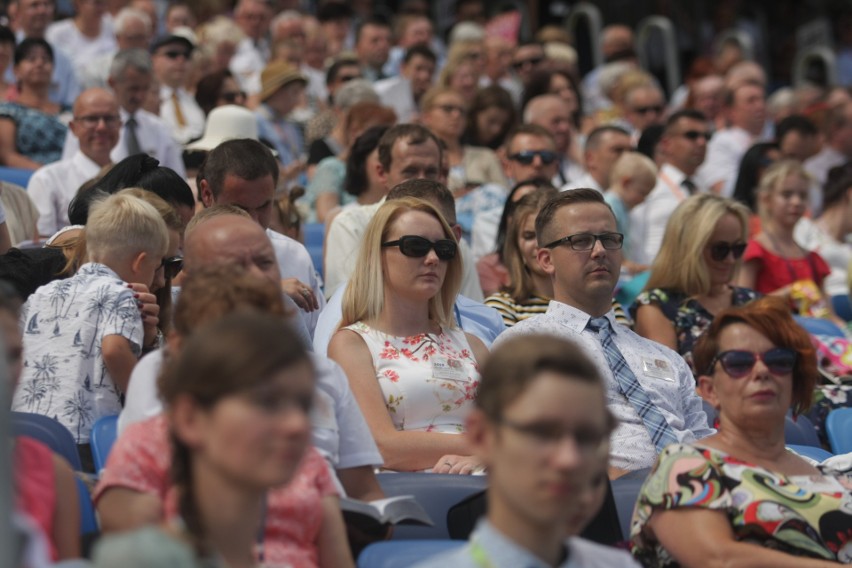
(690, 279)
(412, 371)
(31, 135)
(740, 494)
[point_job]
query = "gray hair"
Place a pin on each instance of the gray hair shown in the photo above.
(125, 59)
(354, 92)
(126, 14)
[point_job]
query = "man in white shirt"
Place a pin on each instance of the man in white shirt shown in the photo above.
(253, 52)
(745, 107)
(84, 37)
(683, 147)
(141, 131)
(244, 173)
(133, 30)
(178, 109)
(837, 149)
(372, 46)
(96, 125)
(581, 251)
(551, 112)
(30, 18)
(403, 93)
(604, 145)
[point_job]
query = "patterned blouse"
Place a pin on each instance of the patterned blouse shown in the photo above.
(689, 317)
(38, 136)
(429, 380)
(801, 515)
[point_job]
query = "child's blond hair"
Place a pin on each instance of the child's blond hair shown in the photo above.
(122, 226)
(635, 166)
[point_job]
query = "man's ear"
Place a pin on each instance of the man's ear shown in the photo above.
(707, 390)
(205, 193)
(545, 260)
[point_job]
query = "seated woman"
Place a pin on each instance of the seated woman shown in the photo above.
(740, 494)
(490, 118)
(412, 371)
(31, 135)
(690, 277)
(774, 263)
(44, 487)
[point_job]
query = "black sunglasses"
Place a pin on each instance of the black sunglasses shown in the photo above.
(527, 157)
(738, 364)
(720, 251)
(533, 61)
(171, 266)
(418, 247)
(232, 97)
(175, 54)
(694, 135)
(656, 109)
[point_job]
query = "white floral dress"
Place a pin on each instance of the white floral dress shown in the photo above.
(429, 380)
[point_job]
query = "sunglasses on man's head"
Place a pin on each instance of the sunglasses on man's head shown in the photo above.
(720, 251)
(418, 247)
(171, 266)
(738, 364)
(527, 157)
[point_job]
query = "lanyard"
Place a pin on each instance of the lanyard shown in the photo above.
(676, 189)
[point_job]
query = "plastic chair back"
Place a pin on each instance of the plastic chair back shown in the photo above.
(18, 176)
(50, 433)
(104, 433)
(819, 326)
(314, 237)
(396, 553)
(839, 428)
(625, 489)
(800, 431)
(88, 520)
(437, 494)
(812, 452)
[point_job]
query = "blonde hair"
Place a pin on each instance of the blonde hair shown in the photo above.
(772, 179)
(364, 298)
(450, 69)
(521, 286)
(121, 226)
(680, 263)
(633, 165)
(430, 96)
(166, 211)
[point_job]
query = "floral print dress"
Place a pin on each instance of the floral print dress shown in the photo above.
(428, 380)
(801, 515)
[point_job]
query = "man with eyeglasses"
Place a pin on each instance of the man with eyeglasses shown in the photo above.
(527, 59)
(130, 77)
(96, 124)
(178, 108)
(644, 106)
(649, 387)
(683, 147)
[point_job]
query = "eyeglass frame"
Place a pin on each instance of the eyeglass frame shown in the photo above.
(596, 237)
(718, 358)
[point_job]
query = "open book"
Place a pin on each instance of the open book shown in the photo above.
(403, 509)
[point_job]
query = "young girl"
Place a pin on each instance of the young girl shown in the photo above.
(774, 263)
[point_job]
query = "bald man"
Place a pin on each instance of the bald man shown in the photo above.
(96, 124)
(551, 112)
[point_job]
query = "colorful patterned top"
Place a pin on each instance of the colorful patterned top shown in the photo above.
(429, 380)
(808, 516)
(38, 136)
(689, 317)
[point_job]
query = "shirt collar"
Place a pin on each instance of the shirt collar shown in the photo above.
(97, 269)
(85, 163)
(674, 173)
(573, 318)
(500, 551)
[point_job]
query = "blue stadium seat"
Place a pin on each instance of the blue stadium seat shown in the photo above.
(819, 326)
(314, 236)
(396, 553)
(50, 433)
(104, 433)
(88, 520)
(436, 493)
(625, 489)
(800, 431)
(17, 176)
(838, 426)
(842, 307)
(812, 452)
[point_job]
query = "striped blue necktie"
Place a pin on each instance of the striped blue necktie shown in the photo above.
(660, 431)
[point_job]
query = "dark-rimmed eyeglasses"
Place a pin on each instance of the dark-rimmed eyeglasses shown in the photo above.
(719, 251)
(92, 120)
(693, 135)
(450, 109)
(738, 364)
(233, 96)
(532, 62)
(171, 266)
(172, 54)
(586, 241)
(656, 109)
(418, 247)
(527, 157)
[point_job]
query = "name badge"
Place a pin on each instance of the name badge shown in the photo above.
(448, 369)
(658, 369)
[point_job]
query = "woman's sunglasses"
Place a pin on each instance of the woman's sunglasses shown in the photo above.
(418, 247)
(171, 266)
(738, 364)
(720, 251)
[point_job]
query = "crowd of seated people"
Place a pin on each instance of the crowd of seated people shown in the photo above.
(282, 251)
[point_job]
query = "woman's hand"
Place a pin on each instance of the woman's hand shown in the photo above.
(149, 309)
(300, 293)
(462, 465)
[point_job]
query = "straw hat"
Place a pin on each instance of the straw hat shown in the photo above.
(276, 75)
(226, 122)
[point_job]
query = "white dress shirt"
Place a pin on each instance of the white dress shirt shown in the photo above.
(64, 86)
(294, 261)
(674, 395)
(52, 187)
(396, 94)
(568, 171)
(155, 139)
(724, 153)
(648, 219)
(248, 62)
(344, 239)
(65, 35)
(192, 114)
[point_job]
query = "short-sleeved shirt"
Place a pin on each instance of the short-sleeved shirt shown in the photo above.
(140, 461)
(776, 271)
(801, 515)
(64, 375)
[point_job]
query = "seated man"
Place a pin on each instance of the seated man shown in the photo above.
(536, 391)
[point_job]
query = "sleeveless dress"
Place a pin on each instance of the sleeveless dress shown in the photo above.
(428, 380)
